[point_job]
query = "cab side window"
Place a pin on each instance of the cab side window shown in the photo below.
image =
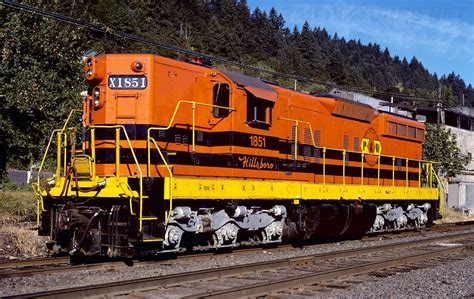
(259, 111)
(220, 97)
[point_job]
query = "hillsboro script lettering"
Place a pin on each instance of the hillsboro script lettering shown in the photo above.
(255, 162)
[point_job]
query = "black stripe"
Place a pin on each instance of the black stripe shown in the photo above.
(233, 138)
(107, 156)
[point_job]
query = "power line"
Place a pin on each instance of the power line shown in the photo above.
(144, 40)
(147, 41)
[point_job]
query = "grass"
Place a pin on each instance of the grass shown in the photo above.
(17, 211)
(451, 215)
(17, 206)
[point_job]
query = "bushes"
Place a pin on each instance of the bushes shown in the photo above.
(17, 206)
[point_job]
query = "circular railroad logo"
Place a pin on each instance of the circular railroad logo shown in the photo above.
(371, 146)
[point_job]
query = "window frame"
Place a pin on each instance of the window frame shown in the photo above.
(252, 117)
(220, 112)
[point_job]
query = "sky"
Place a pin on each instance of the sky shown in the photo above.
(439, 33)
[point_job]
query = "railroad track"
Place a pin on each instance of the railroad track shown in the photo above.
(12, 264)
(22, 268)
(262, 277)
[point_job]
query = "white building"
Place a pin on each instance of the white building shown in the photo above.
(461, 188)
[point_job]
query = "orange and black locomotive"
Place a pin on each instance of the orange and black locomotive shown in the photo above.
(173, 156)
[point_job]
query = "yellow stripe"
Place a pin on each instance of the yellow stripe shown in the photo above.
(206, 188)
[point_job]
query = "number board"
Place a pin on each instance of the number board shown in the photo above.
(127, 82)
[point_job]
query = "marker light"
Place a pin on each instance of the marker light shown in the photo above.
(138, 66)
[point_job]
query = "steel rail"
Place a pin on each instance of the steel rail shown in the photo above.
(17, 268)
(12, 264)
(149, 283)
(55, 268)
(312, 278)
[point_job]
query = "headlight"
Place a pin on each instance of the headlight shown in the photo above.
(89, 61)
(89, 73)
(96, 97)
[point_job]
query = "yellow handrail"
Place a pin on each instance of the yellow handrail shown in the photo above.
(117, 152)
(344, 151)
(431, 175)
(393, 171)
(344, 167)
(324, 165)
(45, 154)
(170, 181)
(140, 195)
(406, 172)
(378, 170)
(193, 107)
(49, 144)
(419, 174)
(69, 117)
(150, 139)
(441, 190)
(37, 186)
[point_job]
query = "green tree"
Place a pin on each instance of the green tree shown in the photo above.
(41, 72)
(41, 75)
(441, 146)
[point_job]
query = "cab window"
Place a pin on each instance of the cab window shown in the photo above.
(220, 97)
(259, 111)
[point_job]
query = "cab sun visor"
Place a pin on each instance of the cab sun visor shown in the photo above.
(253, 85)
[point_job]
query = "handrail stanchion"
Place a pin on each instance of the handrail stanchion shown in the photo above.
(362, 169)
(140, 195)
(93, 151)
(344, 167)
(431, 175)
(296, 140)
(148, 149)
(427, 173)
(393, 171)
(64, 154)
(406, 172)
(58, 156)
(419, 174)
(170, 181)
(324, 165)
(378, 171)
(194, 126)
(440, 190)
(117, 152)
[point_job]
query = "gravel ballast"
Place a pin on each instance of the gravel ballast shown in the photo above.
(450, 279)
(447, 277)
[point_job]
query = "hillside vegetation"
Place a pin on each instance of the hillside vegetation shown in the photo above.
(42, 74)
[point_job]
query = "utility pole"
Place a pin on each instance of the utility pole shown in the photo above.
(438, 106)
